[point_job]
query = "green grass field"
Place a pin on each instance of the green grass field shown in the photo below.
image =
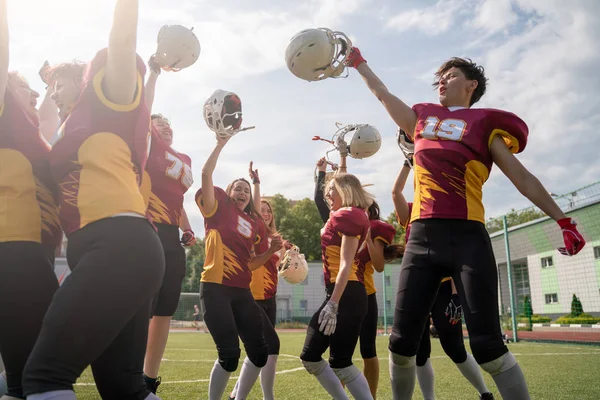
(553, 371)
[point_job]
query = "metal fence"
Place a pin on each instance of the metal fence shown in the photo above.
(533, 275)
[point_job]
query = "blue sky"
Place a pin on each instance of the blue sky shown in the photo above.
(541, 57)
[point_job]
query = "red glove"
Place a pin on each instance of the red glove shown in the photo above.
(574, 242)
(355, 58)
(188, 238)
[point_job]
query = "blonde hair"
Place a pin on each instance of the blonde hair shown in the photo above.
(351, 191)
(15, 78)
(271, 225)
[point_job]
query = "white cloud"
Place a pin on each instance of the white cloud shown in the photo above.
(540, 56)
(432, 20)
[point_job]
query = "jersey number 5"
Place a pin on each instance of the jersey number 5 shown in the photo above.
(449, 129)
(179, 170)
(244, 227)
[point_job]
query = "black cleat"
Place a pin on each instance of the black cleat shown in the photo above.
(486, 396)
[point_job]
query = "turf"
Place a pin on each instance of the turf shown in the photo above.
(553, 371)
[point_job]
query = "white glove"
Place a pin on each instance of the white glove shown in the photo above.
(328, 318)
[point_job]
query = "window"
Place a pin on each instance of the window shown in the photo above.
(388, 280)
(552, 298)
(597, 252)
(303, 304)
(547, 262)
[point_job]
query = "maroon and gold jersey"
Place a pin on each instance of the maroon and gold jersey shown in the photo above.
(28, 206)
(384, 232)
(348, 221)
(265, 278)
(100, 151)
(452, 158)
(167, 177)
(230, 235)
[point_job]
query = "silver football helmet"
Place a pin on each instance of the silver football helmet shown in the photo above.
(223, 113)
(177, 48)
(293, 268)
(365, 141)
(318, 53)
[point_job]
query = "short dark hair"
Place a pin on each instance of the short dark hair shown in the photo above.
(472, 72)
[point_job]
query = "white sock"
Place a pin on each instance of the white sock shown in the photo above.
(267, 377)
(470, 370)
(511, 384)
(327, 378)
(218, 382)
(152, 396)
(402, 375)
(248, 377)
(426, 379)
(54, 395)
(3, 386)
(235, 389)
(355, 381)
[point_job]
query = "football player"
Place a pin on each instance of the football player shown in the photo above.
(445, 314)
(167, 178)
(29, 228)
(233, 228)
(337, 323)
(456, 147)
(264, 288)
(99, 316)
(372, 258)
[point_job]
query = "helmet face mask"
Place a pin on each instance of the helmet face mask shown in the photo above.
(293, 268)
(317, 54)
(177, 48)
(223, 113)
(406, 145)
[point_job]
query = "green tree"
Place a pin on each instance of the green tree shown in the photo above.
(576, 306)
(514, 218)
(302, 225)
(528, 310)
(194, 266)
(400, 231)
(281, 206)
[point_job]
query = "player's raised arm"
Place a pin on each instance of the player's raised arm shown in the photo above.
(400, 204)
(532, 188)
(208, 188)
(322, 205)
(256, 197)
(150, 87)
(120, 79)
(3, 50)
(401, 113)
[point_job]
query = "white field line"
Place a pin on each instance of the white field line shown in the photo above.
(288, 371)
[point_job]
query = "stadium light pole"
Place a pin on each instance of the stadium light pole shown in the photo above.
(513, 309)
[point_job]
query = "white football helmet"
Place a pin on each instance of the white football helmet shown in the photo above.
(317, 54)
(406, 145)
(178, 47)
(365, 142)
(293, 268)
(223, 113)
